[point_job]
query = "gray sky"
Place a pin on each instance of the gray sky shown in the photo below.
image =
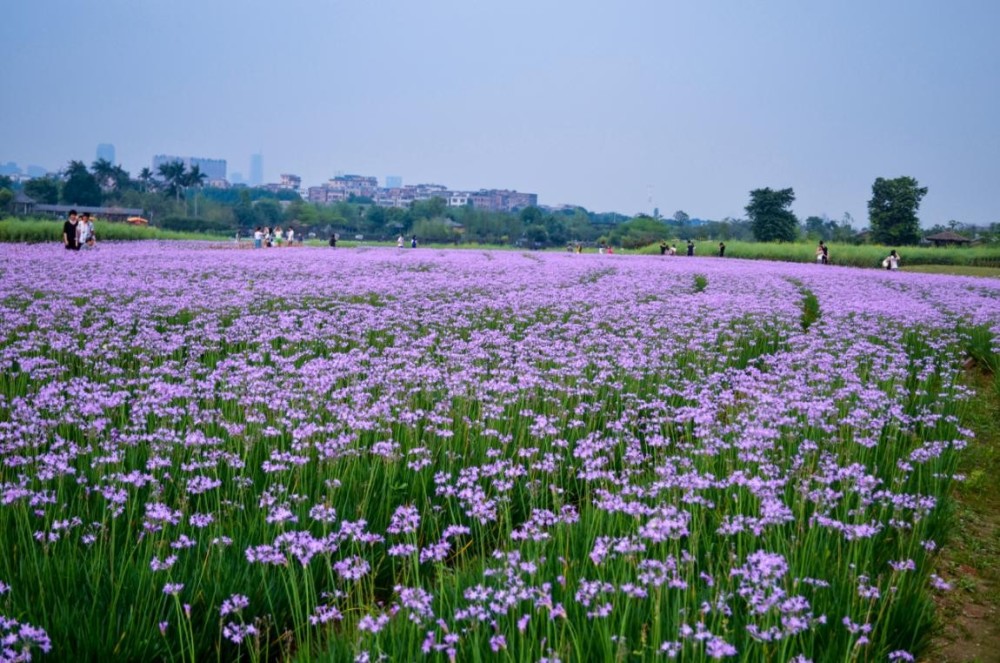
(604, 104)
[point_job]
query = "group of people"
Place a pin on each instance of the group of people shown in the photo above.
(671, 249)
(78, 231)
(400, 242)
(266, 237)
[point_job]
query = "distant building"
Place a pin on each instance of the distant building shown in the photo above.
(291, 182)
(214, 169)
(106, 151)
(256, 169)
(393, 182)
(502, 200)
(342, 187)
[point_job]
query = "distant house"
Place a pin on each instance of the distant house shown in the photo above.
(22, 204)
(947, 238)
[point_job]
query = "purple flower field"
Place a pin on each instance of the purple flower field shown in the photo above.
(374, 454)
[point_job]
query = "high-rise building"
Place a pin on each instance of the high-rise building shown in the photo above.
(214, 169)
(106, 151)
(256, 169)
(393, 182)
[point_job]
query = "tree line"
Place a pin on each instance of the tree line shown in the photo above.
(177, 198)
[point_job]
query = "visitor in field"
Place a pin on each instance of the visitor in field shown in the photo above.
(690, 248)
(663, 248)
(722, 249)
(87, 228)
(611, 249)
(291, 237)
(413, 242)
(71, 233)
(673, 250)
(258, 237)
(826, 253)
(278, 236)
(399, 242)
(333, 240)
(822, 253)
(82, 231)
(891, 261)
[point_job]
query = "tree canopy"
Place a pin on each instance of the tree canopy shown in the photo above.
(892, 210)
(770, 216)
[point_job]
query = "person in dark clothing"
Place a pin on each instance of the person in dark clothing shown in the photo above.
(722, 250)
(826, 253)
(663, 248)
(333, 241)
(71, 232)
(413, 242)
(690, 248)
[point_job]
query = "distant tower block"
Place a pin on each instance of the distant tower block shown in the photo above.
(256, 169)
(106, 151)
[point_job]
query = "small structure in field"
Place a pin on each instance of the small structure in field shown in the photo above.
(948, 238)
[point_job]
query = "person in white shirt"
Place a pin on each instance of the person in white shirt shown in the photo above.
(399, 242)
(291, 236)
(258, 238)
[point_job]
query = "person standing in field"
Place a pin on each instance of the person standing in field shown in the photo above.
(258, 238)
(663, 248)
(71, 233)
(673, 250)
(891, 261)
(291, 237)
(88, 234)
(722, 250)
(690, 248)
(399, 242)
(413, 242)
(826, 253)
(333, 240)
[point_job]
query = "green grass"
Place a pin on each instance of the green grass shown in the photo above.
(857, 255)
(962, 270)
(33, 231)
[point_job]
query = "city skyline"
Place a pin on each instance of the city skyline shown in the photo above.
(615, 108)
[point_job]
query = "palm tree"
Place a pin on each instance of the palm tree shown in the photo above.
(104, 173)
(195, 179)
(146, 178)
(174, 176)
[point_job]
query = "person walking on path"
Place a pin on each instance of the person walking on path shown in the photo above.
(71, 232)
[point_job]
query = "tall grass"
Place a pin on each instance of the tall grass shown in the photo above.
(33, 231)
(862, 255)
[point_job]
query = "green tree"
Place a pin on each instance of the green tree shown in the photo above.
(770, 218)
(103, 171)
(44, 190)
(681, 217)
(174, 178)
(892, 210)
(638, 232)
(81, 187)
(6, 196)
(146, 179)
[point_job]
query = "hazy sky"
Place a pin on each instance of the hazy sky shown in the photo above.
(689, 104)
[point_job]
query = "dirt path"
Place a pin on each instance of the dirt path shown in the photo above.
(970, 562)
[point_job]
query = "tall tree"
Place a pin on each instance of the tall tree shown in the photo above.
(892, 211)
(174, 178)
(44, 190)
(770, 216)
(145, 179)
(81, 187)
(194, 179)
(103, 171)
